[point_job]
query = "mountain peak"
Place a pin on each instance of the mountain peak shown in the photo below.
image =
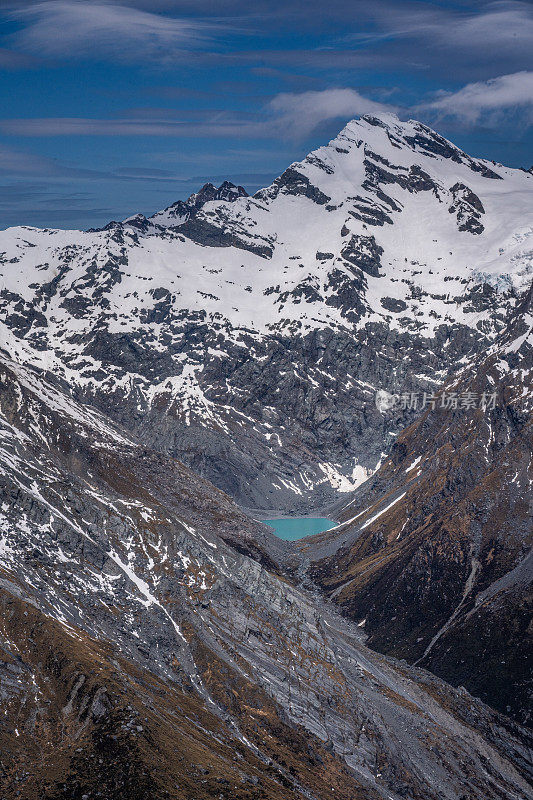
(395, 144)
(227, 191)
(384, 119)
(180, 211)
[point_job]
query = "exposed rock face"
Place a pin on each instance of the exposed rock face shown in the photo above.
(152, 643)
(467, 208)
(297, 184)
(248, 336)
(434, 552)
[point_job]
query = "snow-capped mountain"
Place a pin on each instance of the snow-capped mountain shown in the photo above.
(153, 643)
(145, 620)
(435, 551)
(249, 335)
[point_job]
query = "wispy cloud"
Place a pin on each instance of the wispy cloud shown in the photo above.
(12, 60)
(87, 126)
(289, 115)
(504, 28)
(488, 101)
(473, 37)
(506, 24)
(298, 115)
(106, 30)
(452, 40)
(18, 162)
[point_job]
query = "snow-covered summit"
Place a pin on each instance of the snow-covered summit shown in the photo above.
(392, 204)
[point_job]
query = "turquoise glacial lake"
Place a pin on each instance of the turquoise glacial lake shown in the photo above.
(297, 527)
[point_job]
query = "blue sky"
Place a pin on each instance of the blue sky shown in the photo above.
(111, 107)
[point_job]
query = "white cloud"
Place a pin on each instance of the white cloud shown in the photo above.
(287, 116)
(294, 116)
(488, 100)
(59, 28)
(298, 114)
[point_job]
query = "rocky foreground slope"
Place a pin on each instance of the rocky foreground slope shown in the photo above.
(150, 645)
(248, 336)
(435, 551)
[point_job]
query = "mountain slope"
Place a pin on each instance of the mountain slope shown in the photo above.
(143, 652)
(434, 552)
(249, 335)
